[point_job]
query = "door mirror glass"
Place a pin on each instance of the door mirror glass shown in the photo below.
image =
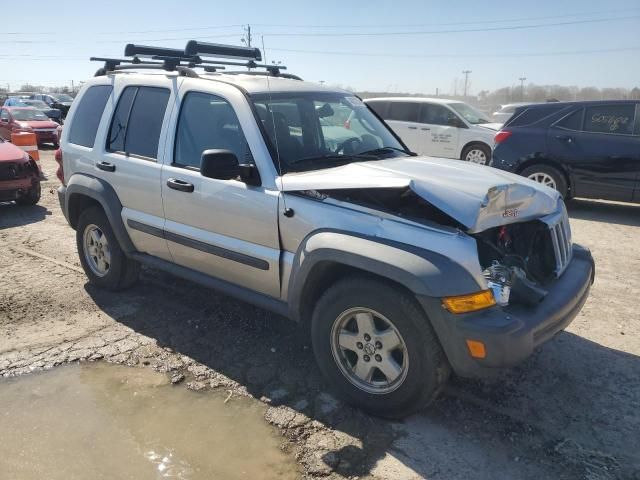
(219, 164)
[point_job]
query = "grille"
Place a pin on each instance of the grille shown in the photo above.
(560, 232)
(8, 171)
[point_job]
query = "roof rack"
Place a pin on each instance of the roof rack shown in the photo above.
(184, 61)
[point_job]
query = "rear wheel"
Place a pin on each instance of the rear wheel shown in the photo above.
(101, 257)
(477, 153)
(548, 176)
(377, 348)
(31, 197)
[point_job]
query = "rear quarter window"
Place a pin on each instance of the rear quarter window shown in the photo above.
(380, 107)
(403, 111)
(86, 118)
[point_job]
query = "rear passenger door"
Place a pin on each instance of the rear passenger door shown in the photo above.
(597, 145)
(223, 228)
(132, 161)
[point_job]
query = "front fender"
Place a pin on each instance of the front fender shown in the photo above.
(83, 185)
(421, 271)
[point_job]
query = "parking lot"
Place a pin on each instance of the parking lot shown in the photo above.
(570, 411)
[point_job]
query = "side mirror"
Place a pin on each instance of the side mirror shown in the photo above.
(224, 165)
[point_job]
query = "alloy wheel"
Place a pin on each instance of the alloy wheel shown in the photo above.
(369, 350)
(543, 178)
(476, 156)
(96, 250)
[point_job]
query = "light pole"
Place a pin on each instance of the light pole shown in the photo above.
(522, 79)
(466, 80)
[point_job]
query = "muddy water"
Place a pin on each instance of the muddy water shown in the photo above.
(104, 421)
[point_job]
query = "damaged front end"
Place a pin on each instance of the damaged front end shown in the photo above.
(520, 259)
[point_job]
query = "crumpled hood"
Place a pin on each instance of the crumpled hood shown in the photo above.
(477, 196)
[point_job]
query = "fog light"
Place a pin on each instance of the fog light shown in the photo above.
(469, 303)
(476, 349)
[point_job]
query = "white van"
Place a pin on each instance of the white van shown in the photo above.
(439, 127)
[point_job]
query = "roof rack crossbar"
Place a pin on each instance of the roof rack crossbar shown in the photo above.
(222, 51)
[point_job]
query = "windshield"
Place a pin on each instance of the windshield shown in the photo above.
(28, 114)
(63, 97)
(35, 103)
(322, 130)
(469, 113)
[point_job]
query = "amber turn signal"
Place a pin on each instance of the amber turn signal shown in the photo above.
(469, 303)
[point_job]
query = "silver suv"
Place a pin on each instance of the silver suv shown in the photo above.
(402, 267)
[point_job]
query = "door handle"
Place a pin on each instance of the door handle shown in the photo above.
(106, 166)
(425, 128)
(180, 185)
(412, 128)
(565, 138)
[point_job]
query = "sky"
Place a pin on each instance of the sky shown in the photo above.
(396, 46)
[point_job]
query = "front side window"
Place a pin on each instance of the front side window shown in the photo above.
(311, 130)
(470, 114)
(616, 119)
(137, 121)
(208, 122)
(436, 115)
(87, 115)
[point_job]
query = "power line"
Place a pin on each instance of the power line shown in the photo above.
(438, 32)
(459, 55)
(483, 22)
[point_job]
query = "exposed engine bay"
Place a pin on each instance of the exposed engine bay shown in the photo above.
(517, 260)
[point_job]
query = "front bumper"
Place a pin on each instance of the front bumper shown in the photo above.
(46, 137)
(14, 189)
(512, 333)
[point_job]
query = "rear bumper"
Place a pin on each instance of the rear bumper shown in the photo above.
(62, 198)
(511, 334)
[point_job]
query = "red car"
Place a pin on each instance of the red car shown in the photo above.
(19, 176)
(27, 119)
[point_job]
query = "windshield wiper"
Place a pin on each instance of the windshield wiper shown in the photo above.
(378, 151)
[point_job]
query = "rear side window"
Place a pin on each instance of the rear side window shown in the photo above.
(137, 121)
(87, 115)
(207, 122)
(403, 111)
(534, 114)
(381, 108)
(572, 121)
(617, 119)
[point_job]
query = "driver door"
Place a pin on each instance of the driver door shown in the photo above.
(439, 137)
(223, 228)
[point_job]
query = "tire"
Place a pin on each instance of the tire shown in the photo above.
(120, 272)
(477, 153)
(424, 368)
(547, 175)
(31, 198)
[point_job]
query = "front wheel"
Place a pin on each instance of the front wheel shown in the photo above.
(477, 153)
(31, 197)
(376, 347)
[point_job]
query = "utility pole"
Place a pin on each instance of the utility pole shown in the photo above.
(466, 80)
(522, 79)
(247, 37)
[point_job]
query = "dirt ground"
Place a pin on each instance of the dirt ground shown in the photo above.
(570, 411)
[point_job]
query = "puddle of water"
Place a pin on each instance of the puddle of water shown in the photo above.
(104, 421)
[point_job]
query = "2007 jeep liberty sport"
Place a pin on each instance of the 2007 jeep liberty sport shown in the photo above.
(402, 267)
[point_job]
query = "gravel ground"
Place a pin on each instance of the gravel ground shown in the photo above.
(570, 411)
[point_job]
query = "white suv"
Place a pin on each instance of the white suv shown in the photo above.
(439, 127)
(403, 268)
